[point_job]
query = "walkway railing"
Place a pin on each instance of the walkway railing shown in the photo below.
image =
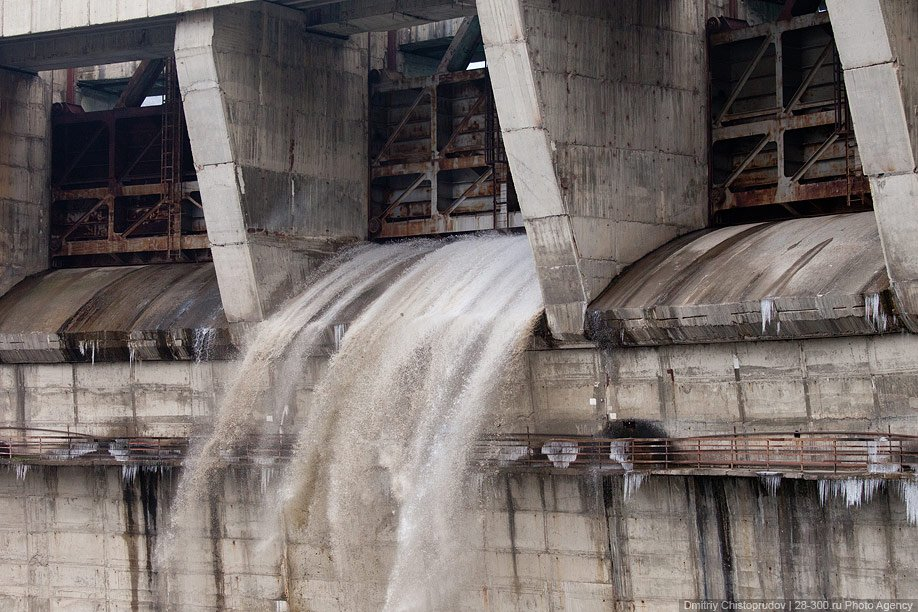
(822, 453)
(818, 453)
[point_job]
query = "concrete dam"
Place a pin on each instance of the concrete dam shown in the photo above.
(319, 305)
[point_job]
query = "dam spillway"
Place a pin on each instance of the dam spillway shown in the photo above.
(384, 445)
(457, 304)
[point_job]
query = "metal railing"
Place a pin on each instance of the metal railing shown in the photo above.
(817, 453)
(35, 446)
(822, 453)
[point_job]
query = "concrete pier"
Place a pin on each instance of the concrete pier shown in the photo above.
(277, 120)
(603, 118)
(876, 43)
(25, 164)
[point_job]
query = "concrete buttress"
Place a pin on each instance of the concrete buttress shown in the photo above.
(25, 164)
(277, 121)
(603, 112)
(875, 40)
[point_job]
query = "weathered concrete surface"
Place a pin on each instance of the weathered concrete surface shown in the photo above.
(855, 384)
(151, 40)
(277, 120)
(876, 43)
(816, 277)
(839, 384)
(25, 166)
(81, 538)
(110, 314)
(342, 17)
(602, 109)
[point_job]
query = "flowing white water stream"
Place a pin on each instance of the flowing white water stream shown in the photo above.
(380, 480)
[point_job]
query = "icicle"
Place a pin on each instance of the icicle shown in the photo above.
(267, 474)
(76, 450)
(618, 451)
(874, 312)
(769, 313)
(203, 343)
(131, 355)
(119, 450)
(633, 482)
(771, 481)
(128, 473)
(506, 455)
(339, 329)
(22, 470)
(879, 457)
(908, 492)
(560, 453)
(855, 491)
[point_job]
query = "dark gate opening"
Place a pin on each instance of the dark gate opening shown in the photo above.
(782, 142)
(123, 184)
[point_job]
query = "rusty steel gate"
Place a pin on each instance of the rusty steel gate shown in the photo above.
(437, 162)
(123, 185)
(782, 143)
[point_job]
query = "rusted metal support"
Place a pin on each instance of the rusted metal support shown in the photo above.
(143, 79)
(826, 51)
(462, 47)
(747, 160)
(120, 185)
(814, 157)
(759, 54)
(398, 130)
(463, 124)
(458, 202)
(796, 101)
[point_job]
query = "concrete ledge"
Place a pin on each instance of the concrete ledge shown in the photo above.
(157, 312)
(804, 278)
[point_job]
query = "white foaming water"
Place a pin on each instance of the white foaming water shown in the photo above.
(380, 478)
(383, 454)
(203, 343)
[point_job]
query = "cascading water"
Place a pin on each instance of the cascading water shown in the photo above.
(379, 480)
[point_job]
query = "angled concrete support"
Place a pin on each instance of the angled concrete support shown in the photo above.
(25, 104)
(603, 112)
(277, 121)
(876, 43)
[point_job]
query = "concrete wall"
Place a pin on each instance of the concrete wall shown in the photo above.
(143, 398)
(35, 16)
(278, 121)
(602, 108)
(841, 384)
(82, 538)
(25, 164)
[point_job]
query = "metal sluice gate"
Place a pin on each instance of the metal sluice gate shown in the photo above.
(823, 454)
